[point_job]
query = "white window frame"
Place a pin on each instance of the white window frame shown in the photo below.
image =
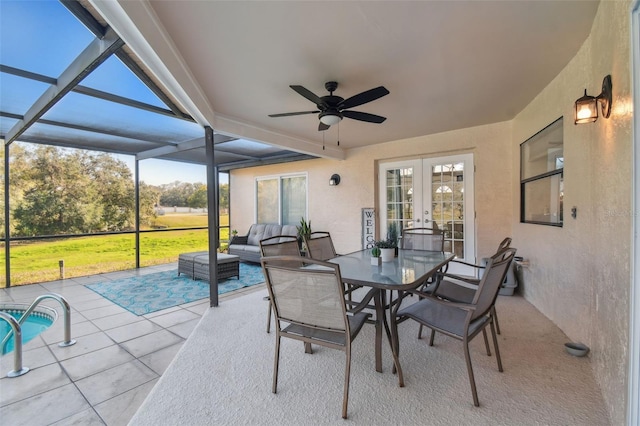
(280, 177)
(633, 406)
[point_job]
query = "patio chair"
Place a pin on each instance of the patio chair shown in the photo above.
(279, 245)
(463, 321)
(320, 246)
(423, 239)
(430, 239)
(309, 306)
(462, 288)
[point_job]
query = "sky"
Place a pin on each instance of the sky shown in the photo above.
(29, 41)
(158, 172)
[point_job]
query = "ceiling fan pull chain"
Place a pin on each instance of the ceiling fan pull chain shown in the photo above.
(323, 141)
(338, 134)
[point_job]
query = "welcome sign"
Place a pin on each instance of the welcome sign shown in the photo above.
(368, 227)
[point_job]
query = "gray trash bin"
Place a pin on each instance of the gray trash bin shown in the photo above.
(514, 274)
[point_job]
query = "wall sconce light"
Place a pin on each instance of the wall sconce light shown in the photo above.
(335, 180)
(587, 106)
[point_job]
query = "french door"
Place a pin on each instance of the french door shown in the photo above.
(431, 193)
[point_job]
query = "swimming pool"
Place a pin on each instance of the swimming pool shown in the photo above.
(39, 320)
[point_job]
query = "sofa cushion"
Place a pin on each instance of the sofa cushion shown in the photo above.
(260, 231)
(252, 249)
(288, 230)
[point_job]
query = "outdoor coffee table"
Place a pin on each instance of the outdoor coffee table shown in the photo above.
(196, 265)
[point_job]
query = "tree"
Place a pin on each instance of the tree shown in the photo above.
(115, 189)
(64, 191)
(54, 203)
(224, 196)
(73, 191)
(176, 194)
(198, 199)
(18, 163)
(149, 198)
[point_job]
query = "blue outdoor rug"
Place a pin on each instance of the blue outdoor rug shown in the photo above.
(161, 290)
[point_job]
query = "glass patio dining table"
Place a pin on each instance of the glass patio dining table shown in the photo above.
(405, 272)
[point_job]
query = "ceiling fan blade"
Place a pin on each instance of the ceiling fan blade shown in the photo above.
(364, 97)
(287, 114)
(322, 127)
(308, 94)
(364, 116)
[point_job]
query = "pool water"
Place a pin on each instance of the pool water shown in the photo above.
(35, 324)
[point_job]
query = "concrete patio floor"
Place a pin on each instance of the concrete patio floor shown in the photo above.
(108, 377)
(107, 374)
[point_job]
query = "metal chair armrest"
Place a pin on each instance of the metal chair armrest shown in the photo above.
(364, 303)
(473, 265)
(462, 278)
(463, 306)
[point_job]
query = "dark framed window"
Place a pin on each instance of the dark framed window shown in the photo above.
(541, 176)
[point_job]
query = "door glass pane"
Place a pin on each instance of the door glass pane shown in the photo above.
(267, 201)
(294, 199)
(447, 196)
(399, 202)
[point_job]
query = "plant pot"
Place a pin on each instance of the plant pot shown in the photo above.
(375, 261)
(387, 254)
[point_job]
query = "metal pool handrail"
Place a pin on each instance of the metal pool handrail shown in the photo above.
(67, 319)
(18, 369)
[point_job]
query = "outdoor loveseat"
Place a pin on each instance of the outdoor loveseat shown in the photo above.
(247, 247)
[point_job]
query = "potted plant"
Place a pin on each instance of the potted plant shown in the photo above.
(392, 236)
(304, 231)
(234, 234)
(375, 255)
(387, 249)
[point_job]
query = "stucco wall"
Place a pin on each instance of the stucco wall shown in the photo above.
(580, 274)
(338, 209)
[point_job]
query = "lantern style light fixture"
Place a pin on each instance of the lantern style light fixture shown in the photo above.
(335, 180)
(587, 106)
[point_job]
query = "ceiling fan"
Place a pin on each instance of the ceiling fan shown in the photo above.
(333, 108)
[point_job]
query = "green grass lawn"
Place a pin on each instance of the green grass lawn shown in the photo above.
(39, 261)
(182, 220)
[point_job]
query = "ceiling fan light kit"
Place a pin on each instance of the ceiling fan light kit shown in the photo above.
(331, 109)
(330, 118)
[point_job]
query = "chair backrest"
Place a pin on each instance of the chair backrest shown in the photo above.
(422, 239)
(320, 246)
(504, 244)
(492, 279)
(281, 245)
(310, 295)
